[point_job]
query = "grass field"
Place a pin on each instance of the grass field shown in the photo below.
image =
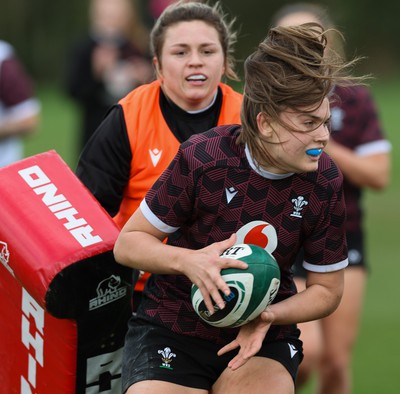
(59, 128)
(376, 364)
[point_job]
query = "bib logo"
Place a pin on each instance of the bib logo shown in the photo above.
(155, 156)
(108, 290)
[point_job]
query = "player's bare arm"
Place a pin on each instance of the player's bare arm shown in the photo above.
(140, 245)
(321, 297)
(372, 171)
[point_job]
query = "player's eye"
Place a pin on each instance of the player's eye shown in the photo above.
(181, 52)
(208, 51)
(309, 124)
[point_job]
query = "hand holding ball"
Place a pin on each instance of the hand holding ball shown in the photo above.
(252, 289)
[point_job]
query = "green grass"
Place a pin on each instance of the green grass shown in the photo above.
(59, 127)
(375, 362)
(375, 365)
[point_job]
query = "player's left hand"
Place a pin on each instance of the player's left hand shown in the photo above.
(249, 339)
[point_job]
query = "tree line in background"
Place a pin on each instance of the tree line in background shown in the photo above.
(43, 30)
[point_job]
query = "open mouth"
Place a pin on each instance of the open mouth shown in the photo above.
(196, 78)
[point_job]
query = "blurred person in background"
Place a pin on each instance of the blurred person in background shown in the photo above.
(361, 151)
(192, 44)
(19, 107)
(111, 61)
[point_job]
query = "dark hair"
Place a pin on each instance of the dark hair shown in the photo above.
(192, 11)
(288, 71)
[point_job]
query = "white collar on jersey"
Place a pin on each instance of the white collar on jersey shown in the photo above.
(259, 170)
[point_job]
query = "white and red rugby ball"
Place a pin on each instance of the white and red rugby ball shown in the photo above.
(252, 289)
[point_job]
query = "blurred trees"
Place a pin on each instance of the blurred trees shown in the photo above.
(370, 28)
(43, 30)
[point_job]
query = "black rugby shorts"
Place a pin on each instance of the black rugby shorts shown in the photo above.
(156, 353)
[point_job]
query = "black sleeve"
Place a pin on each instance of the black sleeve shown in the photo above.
(104, 165)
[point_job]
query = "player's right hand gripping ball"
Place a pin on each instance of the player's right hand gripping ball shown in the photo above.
(252, 289)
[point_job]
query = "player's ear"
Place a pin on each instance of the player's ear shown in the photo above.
(264, 125)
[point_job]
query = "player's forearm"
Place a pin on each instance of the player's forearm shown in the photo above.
(317, 301)
(371, 171)
(145, 252)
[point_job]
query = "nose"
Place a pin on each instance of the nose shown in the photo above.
(322, 133)
(195, 58)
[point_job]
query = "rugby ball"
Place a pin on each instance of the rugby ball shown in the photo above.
(252, 289)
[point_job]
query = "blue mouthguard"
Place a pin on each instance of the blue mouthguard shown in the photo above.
(314, 152)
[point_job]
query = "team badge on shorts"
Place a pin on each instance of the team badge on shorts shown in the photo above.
(167, 357)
